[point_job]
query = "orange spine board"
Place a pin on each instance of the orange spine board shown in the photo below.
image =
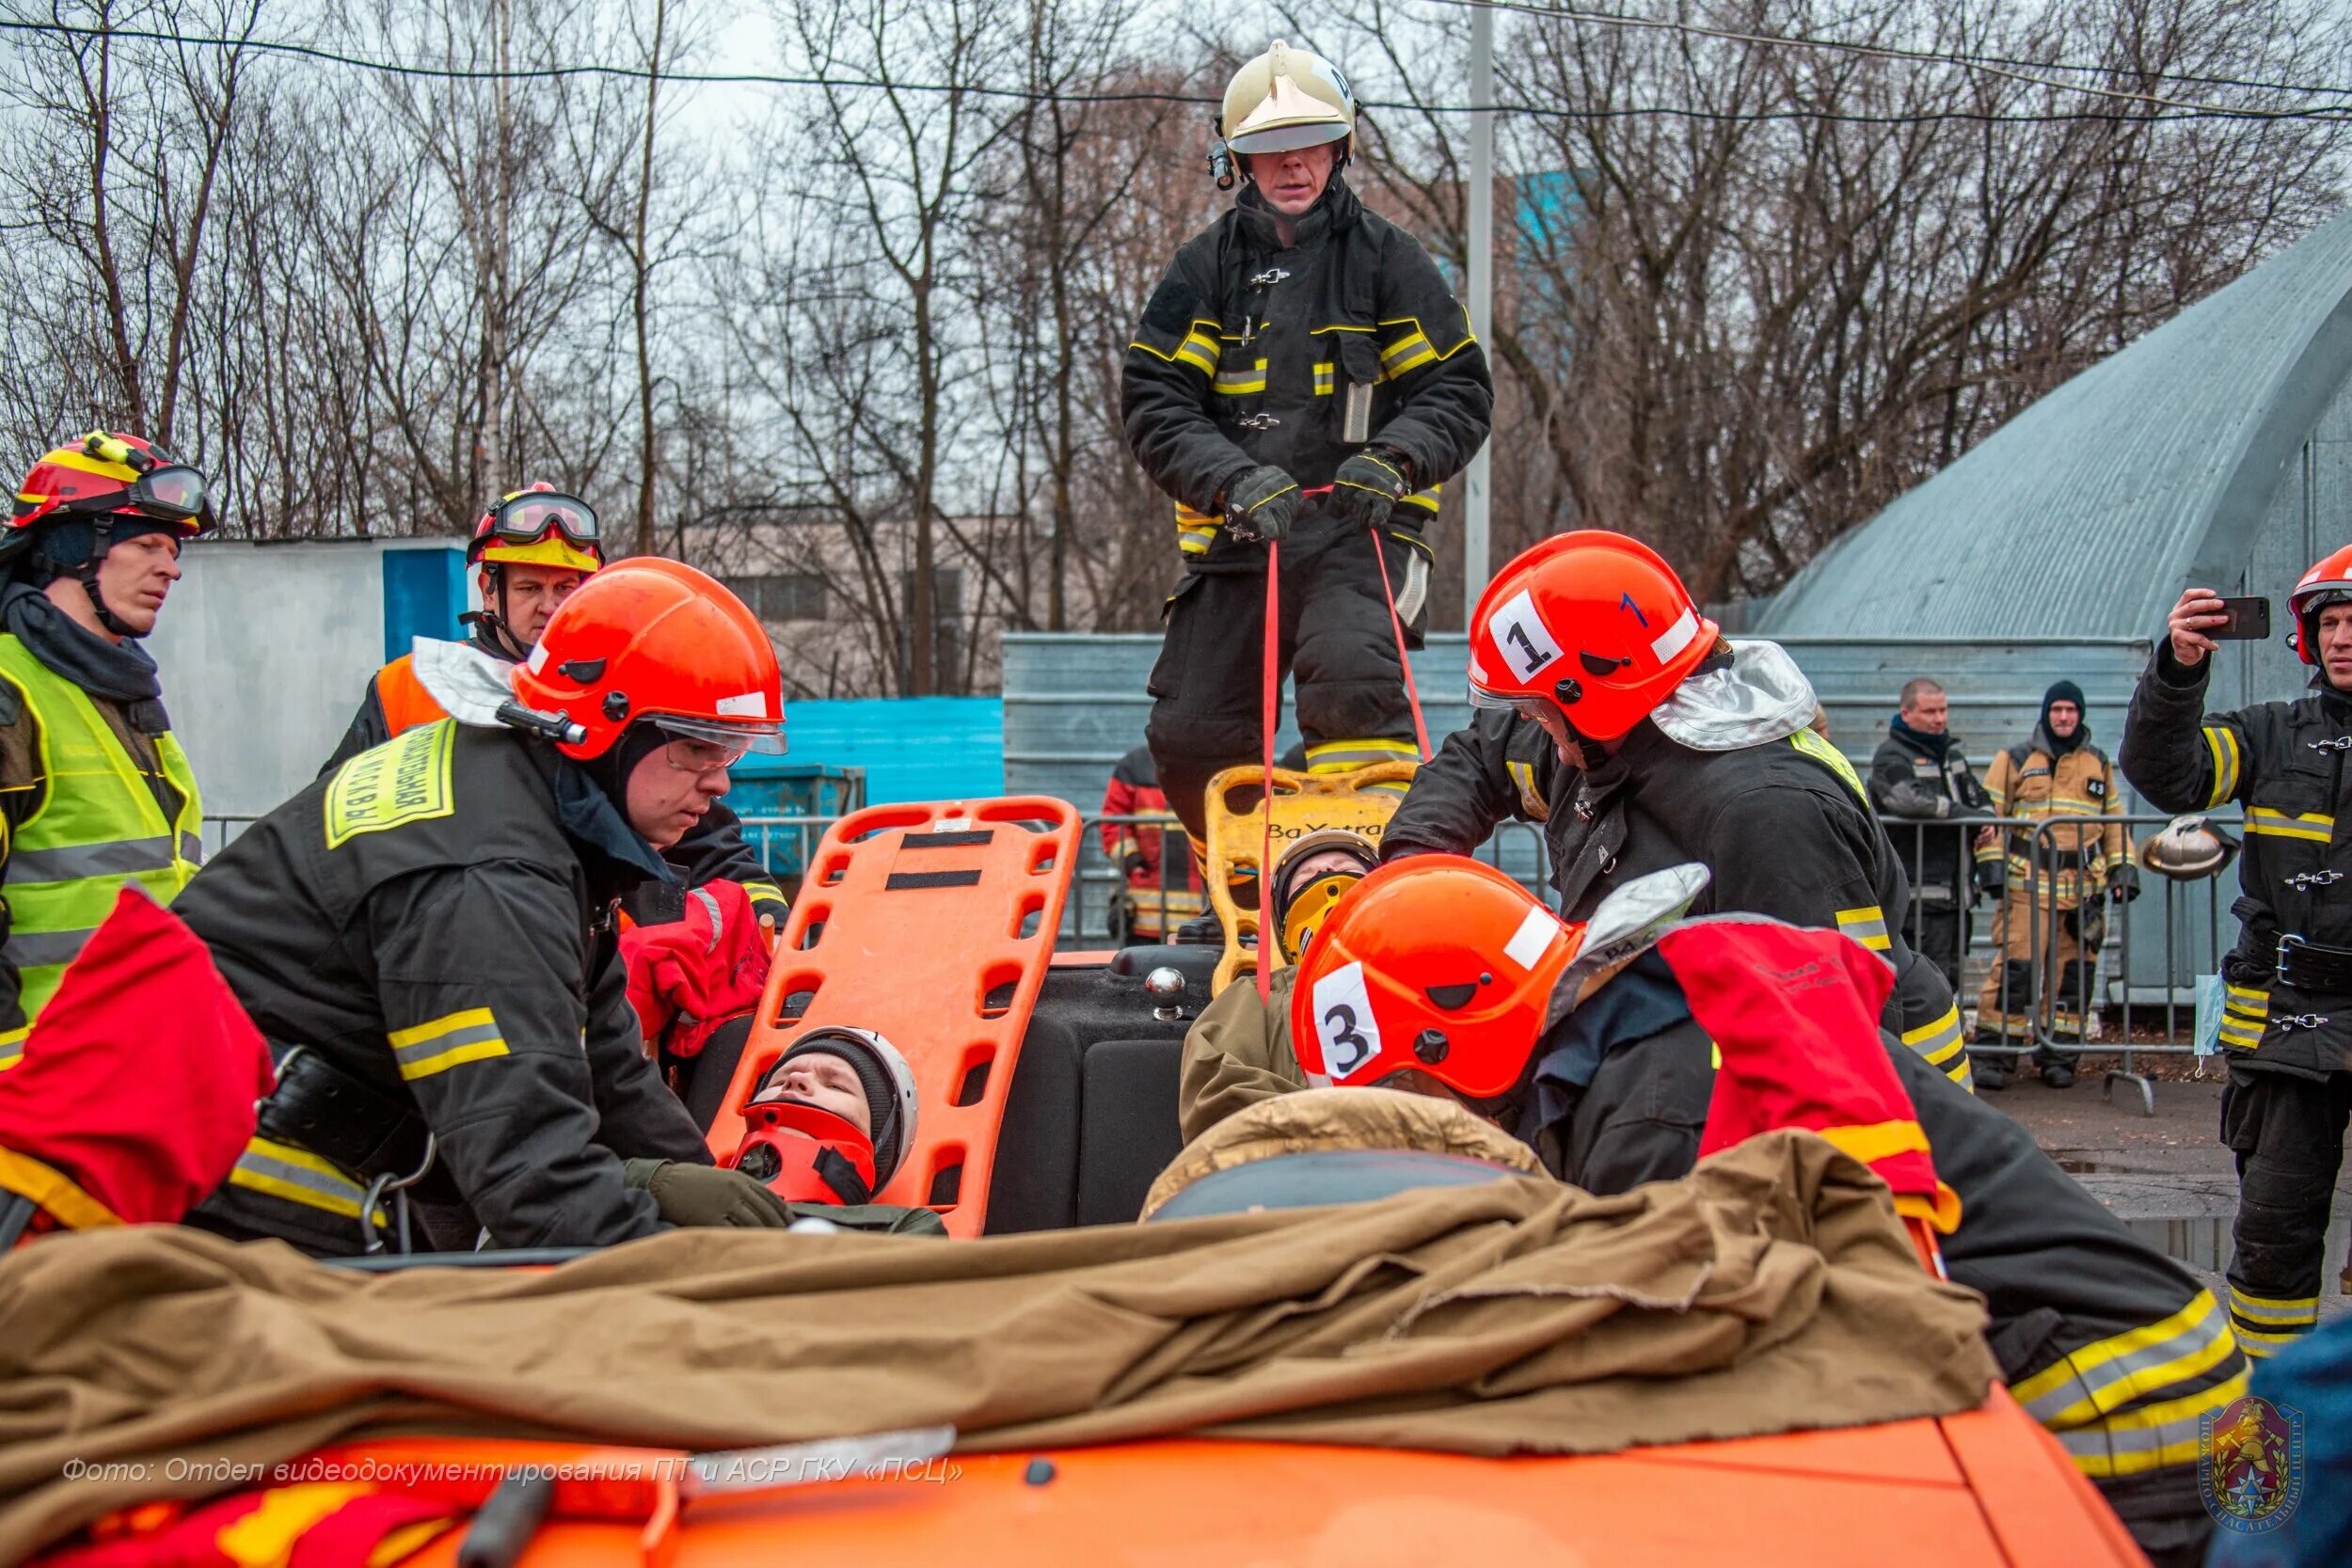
(933, 924)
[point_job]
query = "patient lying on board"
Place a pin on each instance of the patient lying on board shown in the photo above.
(831, 1123)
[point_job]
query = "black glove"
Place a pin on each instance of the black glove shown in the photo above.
(2124, 881)
(1368, 486)
(704, 1195)
(1993, 876)
(1134, 862)
(1262, 504)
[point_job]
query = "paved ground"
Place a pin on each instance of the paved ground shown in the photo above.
(2167, 1175)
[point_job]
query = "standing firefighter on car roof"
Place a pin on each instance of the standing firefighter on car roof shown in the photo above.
(1302, 374)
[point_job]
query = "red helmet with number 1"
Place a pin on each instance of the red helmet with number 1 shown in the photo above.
(1592, 624)
(655, 640)
(1436, 962)
(2328, 582)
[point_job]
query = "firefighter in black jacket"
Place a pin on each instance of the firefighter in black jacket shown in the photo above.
(1302, 374)
(1669, 746)
(1920, 775)
(533, 549)
(425, 938)
(2287, 1010)
(2111, 1345)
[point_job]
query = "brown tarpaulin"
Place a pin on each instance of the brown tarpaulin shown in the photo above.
(1770, 1290)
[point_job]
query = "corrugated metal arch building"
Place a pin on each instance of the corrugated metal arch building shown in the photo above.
(2217, 449)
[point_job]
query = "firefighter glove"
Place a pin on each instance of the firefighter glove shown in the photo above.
(1993, 876)
(1134, 862)
(704, 1195)
(1261, 503)
(1368, 486)
(2124, 881)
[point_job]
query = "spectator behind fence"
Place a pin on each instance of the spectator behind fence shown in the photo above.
(2286, 1020)
(1921, 774)
(1159, 894)
(2055, 883)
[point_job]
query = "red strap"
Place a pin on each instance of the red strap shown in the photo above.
(1268, 710)
(1403, 655)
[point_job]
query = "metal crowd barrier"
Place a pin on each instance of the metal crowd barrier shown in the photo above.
(1099, 888)
(2143, 974)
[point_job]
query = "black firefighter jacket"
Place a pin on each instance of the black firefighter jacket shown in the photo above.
(2103, 1340)
(1916, 782)
(1784, 828)
(2284, 763)
(1249, 354)
(434, 918)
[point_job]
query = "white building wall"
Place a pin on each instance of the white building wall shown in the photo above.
(266, 650)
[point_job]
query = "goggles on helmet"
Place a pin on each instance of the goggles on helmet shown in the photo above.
(530, 516)
(171, 494)
(705, 745)
(1535, 708)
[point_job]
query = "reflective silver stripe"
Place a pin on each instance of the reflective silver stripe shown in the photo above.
(38, 949)
(2142, 1440)
(1936, 1041)
(192, 848)
(118, 857)
(433, 1045)
(260, 1172)
(2103, 1381)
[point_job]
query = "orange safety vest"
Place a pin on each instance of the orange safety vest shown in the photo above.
(405, 701)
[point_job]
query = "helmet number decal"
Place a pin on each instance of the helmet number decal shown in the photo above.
(1345, 1026)
(1526, 642)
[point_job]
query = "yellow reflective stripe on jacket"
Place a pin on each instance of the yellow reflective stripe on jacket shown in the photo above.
(1195, 531)
(292, 1173)
(2245, 1014)
(12, 1047)
(1835, 760)
(2315, 826)
(1879, 1140)
(1327, 378)
(1938, 1042)
(2150, 1437)
(2100, 1378)
(448, 1041)
(2221, 741)
(1199, 348)
(1238, 382)
(1867, 926)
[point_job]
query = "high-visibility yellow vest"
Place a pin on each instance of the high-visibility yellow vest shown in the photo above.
(98, 828)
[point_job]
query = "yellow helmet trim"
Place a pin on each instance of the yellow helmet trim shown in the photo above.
(555, 550)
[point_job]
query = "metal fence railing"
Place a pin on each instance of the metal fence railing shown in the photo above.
(2099, 975)
(1100, 889)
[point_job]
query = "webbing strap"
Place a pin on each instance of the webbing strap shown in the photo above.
(1403, 655)
(1271, 687)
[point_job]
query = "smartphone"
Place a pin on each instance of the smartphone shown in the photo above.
(2250, 620)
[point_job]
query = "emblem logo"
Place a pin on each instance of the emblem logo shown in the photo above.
(2250, 1464)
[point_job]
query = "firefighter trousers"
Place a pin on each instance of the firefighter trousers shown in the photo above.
(2007, 1006)
(2287, 1134)
(1332, 636)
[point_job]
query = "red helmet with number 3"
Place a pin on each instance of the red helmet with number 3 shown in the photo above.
(2328, 582)
(1436, 962)
(1592, 624)
(656, 640)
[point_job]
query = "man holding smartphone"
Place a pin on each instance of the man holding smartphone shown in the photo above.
(2288, 1013)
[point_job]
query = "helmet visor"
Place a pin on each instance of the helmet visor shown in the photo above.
(736, 737)
(1288, 138)
(536, 514)
(1531, 709)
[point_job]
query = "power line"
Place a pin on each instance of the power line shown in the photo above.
(2168, 110)
(1997, 65)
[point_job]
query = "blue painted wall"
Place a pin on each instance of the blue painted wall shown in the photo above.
(912, 748)
(424, 593)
